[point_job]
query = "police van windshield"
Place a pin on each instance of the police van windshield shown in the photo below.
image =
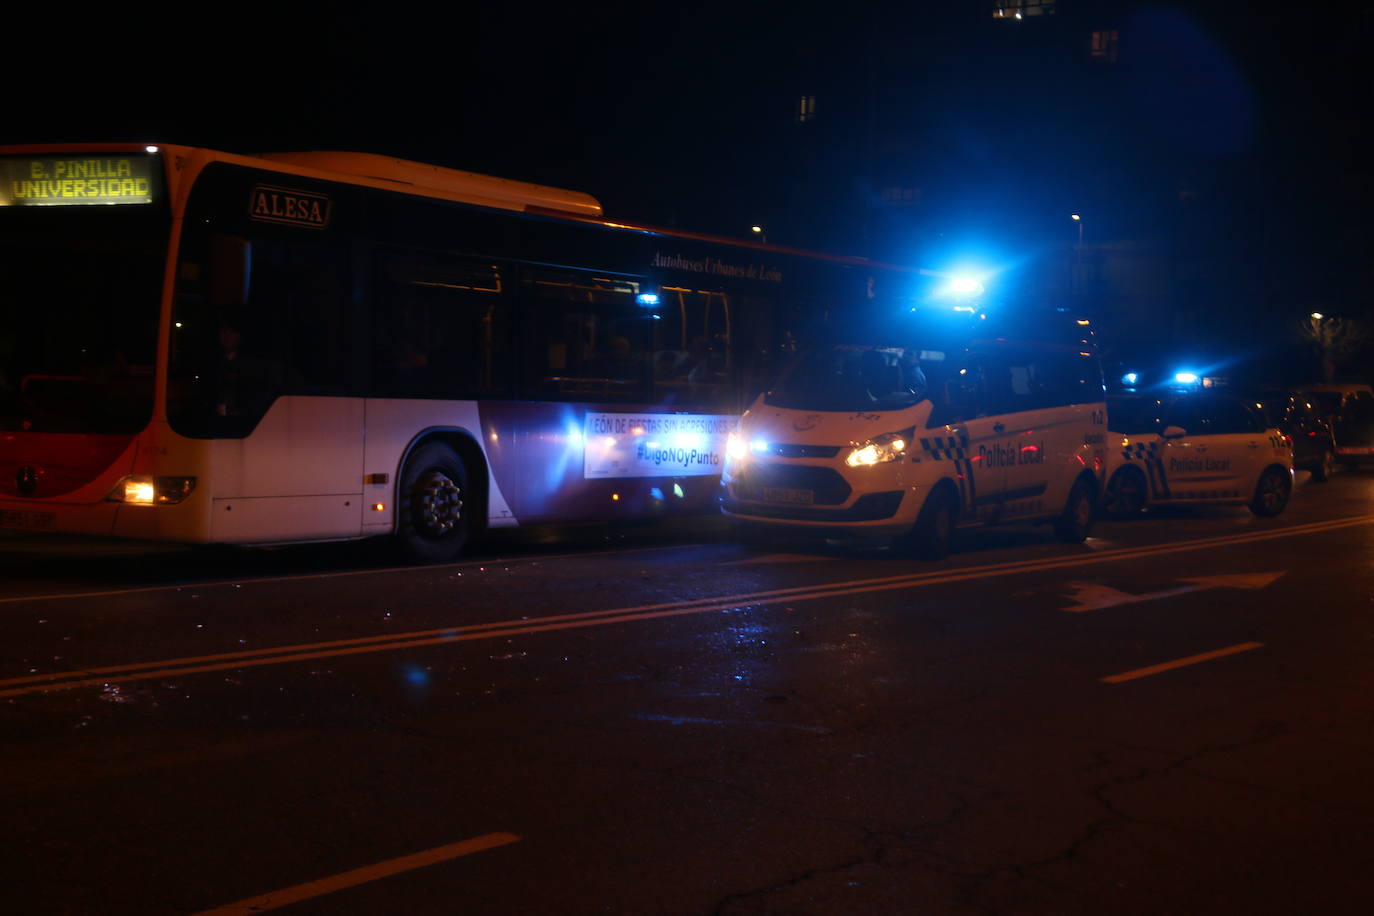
(851, 378)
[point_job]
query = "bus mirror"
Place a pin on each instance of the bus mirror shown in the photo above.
(230, 270)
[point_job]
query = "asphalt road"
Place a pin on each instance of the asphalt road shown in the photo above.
(1173, 718)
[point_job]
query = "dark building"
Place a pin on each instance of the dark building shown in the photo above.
(1211, 155)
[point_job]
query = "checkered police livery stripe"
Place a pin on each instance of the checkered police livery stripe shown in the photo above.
(1024, 507)
(1140, 450)
(944, 448)
(955, 449)
(1146, 455)
(1207, 494)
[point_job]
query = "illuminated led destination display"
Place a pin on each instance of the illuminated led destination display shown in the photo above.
(76, 180)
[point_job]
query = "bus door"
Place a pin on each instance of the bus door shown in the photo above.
(265, 370)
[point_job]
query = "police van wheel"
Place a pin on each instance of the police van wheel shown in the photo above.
(1272, 492)
(1125, 496)
(932, 537)
(433, 526)
(1076, 521)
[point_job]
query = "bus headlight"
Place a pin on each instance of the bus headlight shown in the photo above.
(143, 490)
(880, 449)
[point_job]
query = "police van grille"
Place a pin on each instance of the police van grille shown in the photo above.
(785, 450)
(829, 487)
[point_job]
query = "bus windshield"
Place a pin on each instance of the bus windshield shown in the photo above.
(851, 378)
(79, 298)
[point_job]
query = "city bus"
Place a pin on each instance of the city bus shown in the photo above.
(214, 348)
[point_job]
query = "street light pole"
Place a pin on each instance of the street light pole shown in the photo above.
(1078, 256)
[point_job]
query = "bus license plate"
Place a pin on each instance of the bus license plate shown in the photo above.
(31, 521)
(788, 495)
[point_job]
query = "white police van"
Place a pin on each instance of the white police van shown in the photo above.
(1194, 449)
(883, 434)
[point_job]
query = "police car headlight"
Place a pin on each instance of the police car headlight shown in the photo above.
(887, 447)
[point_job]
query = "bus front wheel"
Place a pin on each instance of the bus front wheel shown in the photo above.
(433, 524)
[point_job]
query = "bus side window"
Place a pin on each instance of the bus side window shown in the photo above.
(584, 337)
(440, 327)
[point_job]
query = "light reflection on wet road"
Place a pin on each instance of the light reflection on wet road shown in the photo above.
(947, 745)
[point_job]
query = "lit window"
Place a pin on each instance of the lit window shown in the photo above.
(1021, 9)
(1104, 45)
(806, 108)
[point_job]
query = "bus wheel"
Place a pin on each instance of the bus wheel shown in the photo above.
(433, 525)
(932, 537)
(1272, 492)
(1076, 521)
(1125, 496)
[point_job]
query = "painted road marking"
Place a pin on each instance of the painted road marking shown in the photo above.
(1091, 596)
(1110, 554)
(357, 876)
(100, 676)
(1180, 663)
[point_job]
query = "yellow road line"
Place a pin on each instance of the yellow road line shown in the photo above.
(290, 895)
(1180, 663)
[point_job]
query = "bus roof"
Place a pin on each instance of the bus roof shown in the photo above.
(438, 178)
(453, 184)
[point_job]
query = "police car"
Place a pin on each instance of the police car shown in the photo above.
(1194, 449)
(882, 436)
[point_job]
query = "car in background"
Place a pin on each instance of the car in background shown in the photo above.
(1296, 415)
(1349, 410)
(1194, 449)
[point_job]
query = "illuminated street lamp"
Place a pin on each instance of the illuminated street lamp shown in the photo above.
(1078, 254)
(758, 231)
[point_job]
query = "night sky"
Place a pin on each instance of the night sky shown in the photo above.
(685, 116)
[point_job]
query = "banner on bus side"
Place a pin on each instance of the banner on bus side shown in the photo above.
(654, 444)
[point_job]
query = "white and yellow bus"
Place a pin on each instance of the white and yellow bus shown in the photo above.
(205, 347)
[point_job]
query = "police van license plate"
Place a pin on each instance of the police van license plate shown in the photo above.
(788, 495)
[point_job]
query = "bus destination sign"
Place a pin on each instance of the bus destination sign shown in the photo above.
(76, 180)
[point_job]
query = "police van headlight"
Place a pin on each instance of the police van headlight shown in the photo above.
(735, 449)
(880, 449)
(142, 490)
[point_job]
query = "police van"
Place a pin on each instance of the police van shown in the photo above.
(898, 432)
(1194, 449)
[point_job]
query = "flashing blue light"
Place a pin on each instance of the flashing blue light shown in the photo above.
(648, 300)
(1130, 378)
(1185, 378)
(759, 445)
(965, 286)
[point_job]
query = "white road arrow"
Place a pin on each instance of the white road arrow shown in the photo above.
(1093, 597)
